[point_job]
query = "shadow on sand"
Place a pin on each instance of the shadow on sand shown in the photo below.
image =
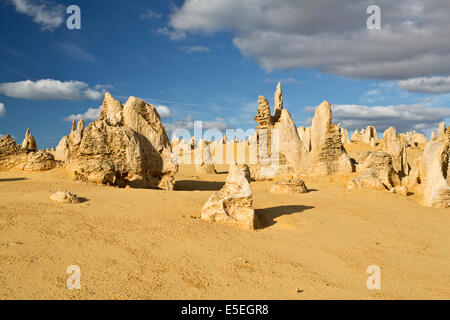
(12, 179)
(82, 199)
(267, 216)
(191, 185)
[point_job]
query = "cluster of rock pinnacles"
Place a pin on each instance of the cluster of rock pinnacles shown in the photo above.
(128, 146)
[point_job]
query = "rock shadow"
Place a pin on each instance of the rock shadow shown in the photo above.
(198, 185)
(13, 179)
(267, 216)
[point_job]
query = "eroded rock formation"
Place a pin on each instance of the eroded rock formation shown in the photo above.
(233, 204)
(126, 145)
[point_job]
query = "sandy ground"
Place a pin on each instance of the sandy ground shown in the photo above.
(151, 244)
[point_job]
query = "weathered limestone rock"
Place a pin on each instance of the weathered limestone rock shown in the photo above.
(369, 134)
(442, 128)
(305, 137)
(401, 191)
(392, 142)
(278, 101)
(320, 125)
(377, 173)
(64, 196)
(111, 111)
(405, 165)
(29, 143)
(372, 142)
(344, 134)
(14, 157)
(143, 118)
(233, 204)
(433, 136)
(204, 162)
(419, 138)
(429, 176)
(125, 146)
(289, 186)
(356, 136)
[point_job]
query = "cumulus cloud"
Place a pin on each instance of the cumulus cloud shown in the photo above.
(329, 35)
(174, 35)
(49, 89)
(2, 110)
(90, 114)
(188, 124)
(48, 15)
(195, 49)
(150, 14)
(164, 111)
(76, 52)
(403, 117)
(426, 85)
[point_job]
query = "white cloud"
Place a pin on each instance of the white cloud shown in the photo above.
(329, 35)
(90, 114)
(2, 110)
(403, 117)
(188, 124)
(174, 35)
(49, 89)
(164, 111)
(195, 49)
(426, 85)
(46, 14)
(76, 52)
(150, 14)
(282, 80)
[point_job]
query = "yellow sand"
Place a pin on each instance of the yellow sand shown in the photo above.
(151, 244)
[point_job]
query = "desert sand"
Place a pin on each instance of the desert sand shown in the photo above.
(151, 244)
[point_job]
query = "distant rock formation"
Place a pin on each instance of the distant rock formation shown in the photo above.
(233, 204)
(204, 162)
(344, 136)
(29, 143)
(430, 174)
(279, 141)
(289, 186)
(369, 134)
(377, 173)
(126, 145)
(27, 157)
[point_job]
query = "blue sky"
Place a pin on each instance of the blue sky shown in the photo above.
(200, 61)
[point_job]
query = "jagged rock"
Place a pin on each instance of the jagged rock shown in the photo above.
(392, 142)
(442, 128)
(289, 185)
(29, 143)
(323, 155)
(405, 166)
(233, 204)
(204, 162)
(144, 119)
(372, 142)
(111, 111)
(429, 176)
(356, 136)
(344, 135)
(433, 136)
(14, 157)
(419, 138)
(369, 134)
(278, 101)
(377, 173)
(64, 196)
(126, 145)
